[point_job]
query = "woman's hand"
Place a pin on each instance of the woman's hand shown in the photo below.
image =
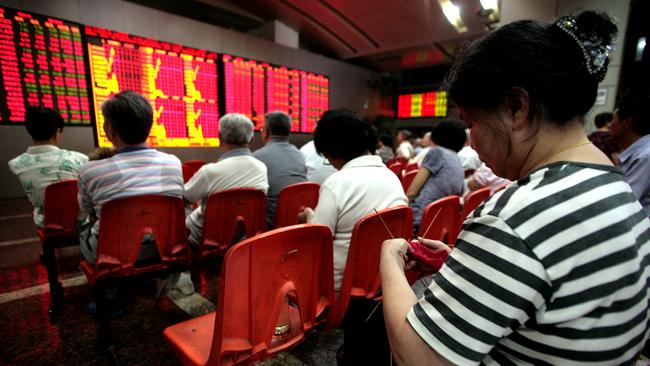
(395, 249)
(306, 215)
(434, 245)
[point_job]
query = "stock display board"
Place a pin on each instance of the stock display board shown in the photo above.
(41, 64)
(180, 82)
(428, 104)
(254, 88)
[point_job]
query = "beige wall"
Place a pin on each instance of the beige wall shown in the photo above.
(348, 83)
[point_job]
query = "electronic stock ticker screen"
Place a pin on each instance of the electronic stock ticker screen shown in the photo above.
(180, 83)
(41, 64)
(254, 88)
(428, 104)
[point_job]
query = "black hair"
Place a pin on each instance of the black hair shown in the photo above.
(602, 119)
(277, 123)
(535, 57)
(634, 104)
(449, 133)
(341, 134)
(42, 123)
(386, 139)
(130, 115)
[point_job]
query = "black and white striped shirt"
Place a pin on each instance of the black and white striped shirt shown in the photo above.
(551, 270)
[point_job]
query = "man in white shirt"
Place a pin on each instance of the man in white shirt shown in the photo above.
(236, 168)
(318, 168)
(426, 146)
(44, 163)
(469, 157)
(404, 147)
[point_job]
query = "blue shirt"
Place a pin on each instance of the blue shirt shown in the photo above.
(635, 164)
(446, 179)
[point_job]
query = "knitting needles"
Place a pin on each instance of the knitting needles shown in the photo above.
(384, 222)
(430, 224)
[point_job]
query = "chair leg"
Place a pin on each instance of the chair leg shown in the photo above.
(104, 332)
(56, 289)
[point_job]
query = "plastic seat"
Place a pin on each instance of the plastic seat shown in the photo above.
(61, 210)
(257, 276)
(229, 216)
(125, 224)
(408, 179)
(190, 167)
(472, 201)
(446, 226)
(292, 199)
(397, 168)
(361, 275)
(411, 166)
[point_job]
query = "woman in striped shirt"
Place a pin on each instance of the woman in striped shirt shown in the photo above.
(554, 268)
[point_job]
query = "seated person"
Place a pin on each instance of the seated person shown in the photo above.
(469, 157)
(44, 163)
(284, 163)
(361, 184)
(236, 168)
(404, 146)
(601, 137)
(484, 177)
(134, 170)
(441, 173)
(318, 168)
(384, 149)
(426, 146)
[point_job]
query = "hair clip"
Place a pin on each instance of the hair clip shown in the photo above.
(595, 52)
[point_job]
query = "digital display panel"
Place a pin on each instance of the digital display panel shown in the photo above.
(41, 64)
(254, 88)
(428, 104)
(180, 82)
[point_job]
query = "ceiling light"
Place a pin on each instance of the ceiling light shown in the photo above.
(452, 13)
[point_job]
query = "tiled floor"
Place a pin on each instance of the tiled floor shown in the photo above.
(28, 338)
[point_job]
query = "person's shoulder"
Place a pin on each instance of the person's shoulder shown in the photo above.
(73, 154)
(163, 156)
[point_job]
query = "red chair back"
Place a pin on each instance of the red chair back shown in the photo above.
(472, 201)
(446, 226)
(397, 168)
(408, 179)
(361, 274)
(402, 160)
(228, 216)
(411, 166)
(61, 210)
(190, 167)
(251, 297)
(126, 222)
(292, 199)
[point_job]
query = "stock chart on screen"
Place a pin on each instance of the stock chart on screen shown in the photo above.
(41, 64)
(428, 104)
(180, 82)
(254, 88)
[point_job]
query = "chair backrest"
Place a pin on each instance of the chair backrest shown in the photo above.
(292, 199)
(411, 166)
(408, 179)
(361, 274)
(446, 226)
(402, 160)
(256, 276)
(397, 168)
(229, 215)
(61, 208)
(126, 222)
(190, 167)
(472, 200)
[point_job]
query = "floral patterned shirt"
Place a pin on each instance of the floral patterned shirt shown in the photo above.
(41, 166)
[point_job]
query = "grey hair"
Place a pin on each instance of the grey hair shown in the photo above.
(235, 129)
(278, 123)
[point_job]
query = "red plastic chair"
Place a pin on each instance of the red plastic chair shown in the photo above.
(257, 275)
(61, 210)
(446, 226)
(472, 201)
(190, 167)
(397, 168)
(292, 199)
(408, 179)
(411, 166)
(229, 215)
(403, 160)
(124, 224)
(361, 274)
